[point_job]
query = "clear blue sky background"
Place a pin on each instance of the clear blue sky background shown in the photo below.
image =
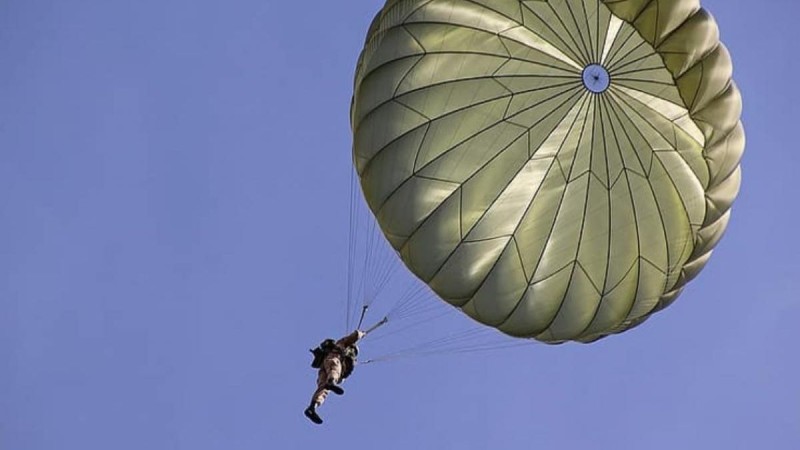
(174, 181)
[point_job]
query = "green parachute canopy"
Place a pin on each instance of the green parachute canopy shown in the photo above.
(557, 169)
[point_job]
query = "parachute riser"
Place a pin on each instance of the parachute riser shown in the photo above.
(376, 326)
(363, 314)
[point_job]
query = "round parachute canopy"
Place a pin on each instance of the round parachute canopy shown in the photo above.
(556, 169)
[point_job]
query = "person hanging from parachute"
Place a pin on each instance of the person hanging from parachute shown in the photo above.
(335, 361)
(507, 203)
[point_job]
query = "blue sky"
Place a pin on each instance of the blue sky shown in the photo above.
(174, 185)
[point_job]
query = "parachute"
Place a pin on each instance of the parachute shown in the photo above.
(556, 169)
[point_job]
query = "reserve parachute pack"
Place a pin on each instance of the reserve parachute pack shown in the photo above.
(319, 353)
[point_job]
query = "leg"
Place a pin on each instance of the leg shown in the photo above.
(318, 398)
(333, 368)
(322, 391)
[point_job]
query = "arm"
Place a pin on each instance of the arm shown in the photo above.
(350, 339)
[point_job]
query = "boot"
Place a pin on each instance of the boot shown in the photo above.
(338, 390)
(311, 413)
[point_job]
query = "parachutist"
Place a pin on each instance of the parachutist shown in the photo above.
(335, 361)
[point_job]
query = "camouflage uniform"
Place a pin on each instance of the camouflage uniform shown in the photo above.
(336, 366)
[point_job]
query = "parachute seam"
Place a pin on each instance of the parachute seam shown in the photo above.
(405, 27)
(592, 53)
(701, 62)
(616, 178)
(700, 80)
(459, 80)
(428, 123)
(521, 263)
(603, 292)
(613, 55)
(591, 281)
(580, 34)
(583, 216)
(617, 69)
(667, 36)
(634, 80)
(691, 108)
(461, 234)
(661, 55)
(555, 158)
(624, 57)
(601, 38)
(482, 282)
(661, 218)
(531, 334)
(397, 100)
(504, 38)
(399, 83)
(469, 137)
(641, 11)
(459, 189)
(499, 13)
(567, 47)
(655, 156)
(625, 275)
(594, 44)
(584, 57)
(598, 52)
(561, 21)
(658, 24)
(371, 46)
(598, 179)
(655, 153)
(552, 226)
(635, 222)
(458, 110)
(508, 58)
(575, 88)
(652, 192)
